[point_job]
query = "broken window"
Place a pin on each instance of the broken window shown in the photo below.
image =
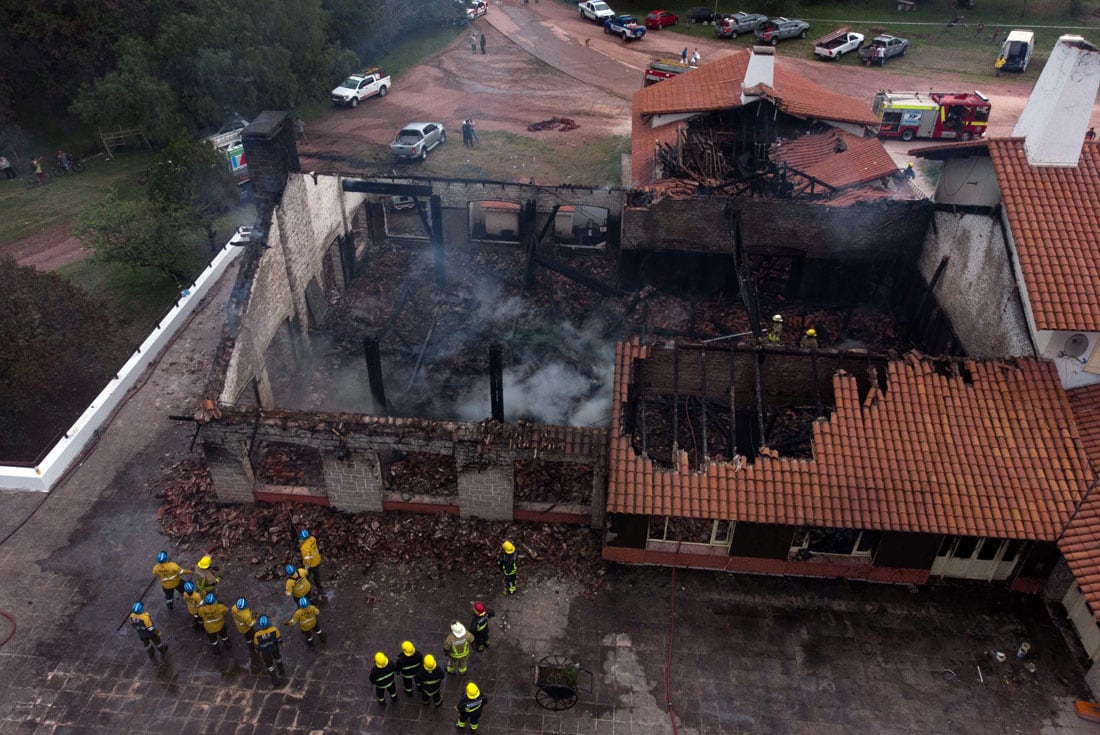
(809, 540)
(580, 226)
(494, 221)
(295, 465)
(419, 473)
(538, 481)
(690, 530)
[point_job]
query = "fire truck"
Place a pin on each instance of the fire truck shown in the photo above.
(661, 69)
(951, 115)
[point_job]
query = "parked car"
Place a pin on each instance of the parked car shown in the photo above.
(1016, 51)
(700, 14)
(625, 27)
(837, 43)
(595, 10)
(416, 139)
(733, 24)
(775, 30)
(358, 87)
(891, 45)
(659, 19)
(478, 9)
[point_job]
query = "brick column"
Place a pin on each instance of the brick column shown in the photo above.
(486, 484)
(353, 484)
(230, 470)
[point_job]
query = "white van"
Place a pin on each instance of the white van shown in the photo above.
(1016, 51)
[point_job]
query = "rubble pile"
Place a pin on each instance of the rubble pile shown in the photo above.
(420, 473)
(415, 546)
(289, 464)
(564, 483)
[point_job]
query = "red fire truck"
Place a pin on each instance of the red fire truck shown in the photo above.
(952, 115)
(661, 69)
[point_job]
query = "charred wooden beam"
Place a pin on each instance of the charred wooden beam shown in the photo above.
(496, 382)
(373, 354)
(378, 187)
(437, 241)
(732, 443)
(575, 275)
(703, 400)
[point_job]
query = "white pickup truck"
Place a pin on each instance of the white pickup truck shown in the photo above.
(837, 43)
(595, 10)
(358, 87)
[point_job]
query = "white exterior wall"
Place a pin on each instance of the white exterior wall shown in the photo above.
(1072, 370)
(968, 182)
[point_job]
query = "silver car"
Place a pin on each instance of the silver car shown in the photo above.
(416, 139)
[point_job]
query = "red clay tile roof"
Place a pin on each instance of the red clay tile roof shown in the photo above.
(1085, 403)
(864, 160)
(1081, 542)
(995, 458)
(1055, 219)
(643, 144)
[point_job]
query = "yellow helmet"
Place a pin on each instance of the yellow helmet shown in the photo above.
(429, 662)
(811, 332)
(508, 547)
(408, 648)
(205, 562)
(380, 659)
(472, 691)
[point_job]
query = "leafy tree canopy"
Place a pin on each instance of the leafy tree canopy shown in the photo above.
(192, 173)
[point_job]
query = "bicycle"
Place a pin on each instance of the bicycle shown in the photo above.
(75, 167)
(33, 180)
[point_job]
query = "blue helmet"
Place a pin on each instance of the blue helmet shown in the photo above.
(290, 570)
(162, 557)
(264, 621)
(241, 603)
(209, 599)
(188, 587)
(137, 609)
(303, 602)
(303, 534)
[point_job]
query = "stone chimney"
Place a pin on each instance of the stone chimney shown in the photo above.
(761, 70)
(1057, 113)
(272, 152)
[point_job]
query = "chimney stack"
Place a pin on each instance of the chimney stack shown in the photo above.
(761, 70)
(1056, 116)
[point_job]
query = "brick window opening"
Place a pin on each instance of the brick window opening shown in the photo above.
(566, 483)
(580, 226)
(494, 221)
(690, 530)
(419, 473)
(811, 540)
(295, 465)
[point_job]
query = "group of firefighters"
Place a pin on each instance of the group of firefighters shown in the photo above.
(419, 673)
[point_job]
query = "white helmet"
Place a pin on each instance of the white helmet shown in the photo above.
(777, 318)
(458, 630)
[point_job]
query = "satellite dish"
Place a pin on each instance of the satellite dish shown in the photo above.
(1076, 345)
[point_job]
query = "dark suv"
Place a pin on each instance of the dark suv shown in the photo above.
(700, 15)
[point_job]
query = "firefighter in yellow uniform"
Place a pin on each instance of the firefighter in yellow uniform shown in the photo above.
(307, 618)
(170, 575)
(194, 601)
(297, 582)
(457, 648)
(244, 620)
(311, 560)
(213, 613)
(147, 632)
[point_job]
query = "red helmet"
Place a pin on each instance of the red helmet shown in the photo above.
(479, 608)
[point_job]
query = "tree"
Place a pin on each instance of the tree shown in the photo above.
(60, 349)
(192, 174)
(140, 233)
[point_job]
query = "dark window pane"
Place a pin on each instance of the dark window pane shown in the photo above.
(867, 540)
(657, 527)
(989, 549)
(945, 545)
(965, 548)
(1012, 550)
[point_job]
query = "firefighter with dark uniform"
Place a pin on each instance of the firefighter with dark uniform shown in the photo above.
(244, 620)
(268, 640)
(470, 707)
(408, 665)
(307, 618)
(311, 560)
(213, 613)
(170, 575)
(429, 680)
(194, 601)
(297, 582)
(147, 632)
(509, 566)
(479, 624)
(383, 677)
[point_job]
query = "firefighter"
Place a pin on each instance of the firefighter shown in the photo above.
(194, 601)
(383, 677)
(311, 560)
(213, 613)
(205, 578)
(457, 648)
(776, 332)
(429, 680)
(509, 566)
(268, 640)
(297, 582)
(169, 573)
(470, 707)
(809, 340)
(408, 665)
(307, 618)
(147, 632)
(244, 620)
(479, 624)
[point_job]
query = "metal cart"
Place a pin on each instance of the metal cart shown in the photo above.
(558, 679)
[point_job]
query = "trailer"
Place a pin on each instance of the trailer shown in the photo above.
(948, 115)
(662, 69)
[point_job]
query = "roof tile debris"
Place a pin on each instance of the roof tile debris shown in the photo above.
(836, 158)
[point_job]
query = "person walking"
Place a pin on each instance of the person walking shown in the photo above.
(473, 42)
(213, 613)
(311, 560)
(695, 58)
(479, 624)
(509, 567)
(205, 578)
(7, 168)
(308, 619)
(194, 601)
(300, 128)
(297, 582)
(481, 41)
(147, 632)
(170, 575)
(244, 620)
(429, 681)
(470, 707)
(268, 641)
(457, 648)
(684, 55)
(382, 676)
(409, 664)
